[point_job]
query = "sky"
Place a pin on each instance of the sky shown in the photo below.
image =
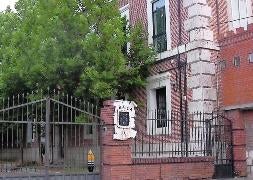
(5, 3)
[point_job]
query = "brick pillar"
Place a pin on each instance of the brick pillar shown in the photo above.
(116, 156)
(239, 142)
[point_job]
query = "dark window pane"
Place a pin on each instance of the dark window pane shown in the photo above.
(124, 118)
(159, 26)
(160, 43)
(237, 61)
(222, 65)
(159, 22)
(124, 47)
(161, 107)
(251, 57)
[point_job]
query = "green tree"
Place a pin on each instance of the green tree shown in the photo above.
(74, 46)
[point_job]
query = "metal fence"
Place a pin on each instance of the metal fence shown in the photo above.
(170, 134)
(47, 136)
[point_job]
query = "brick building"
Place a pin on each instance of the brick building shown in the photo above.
(170, 28)
(236, 83)
(200, 65)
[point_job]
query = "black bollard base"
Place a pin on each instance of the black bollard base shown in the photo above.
(90, 168)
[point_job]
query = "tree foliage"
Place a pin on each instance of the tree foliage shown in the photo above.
(74, 46)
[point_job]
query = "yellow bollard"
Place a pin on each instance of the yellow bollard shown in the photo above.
(91, 161)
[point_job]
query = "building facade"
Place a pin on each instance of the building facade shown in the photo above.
(204, 59)
(236, 90)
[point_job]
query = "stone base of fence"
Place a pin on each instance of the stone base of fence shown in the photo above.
(117, 161)
(173, 168)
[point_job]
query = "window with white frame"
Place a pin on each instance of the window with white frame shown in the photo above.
(124, 11)
(161, 107)
(158, 103)
(240, 13)
(159, 24)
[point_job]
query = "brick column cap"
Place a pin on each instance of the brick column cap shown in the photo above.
(108, 103)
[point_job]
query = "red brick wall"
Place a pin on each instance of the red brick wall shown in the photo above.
(220, 12)
(239, 142)
(123, 3)
(182, 168)
(248, 136)
(237, 82)
(248, 119)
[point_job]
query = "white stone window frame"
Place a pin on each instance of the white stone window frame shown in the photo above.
(163, 54)
(124, 11)
(156, 82)
(230, 15)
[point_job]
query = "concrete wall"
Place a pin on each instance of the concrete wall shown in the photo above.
(74, 157)
(77, 156)
(94, 176)
(15, 155)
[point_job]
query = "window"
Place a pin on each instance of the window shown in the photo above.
(125, 46)
(222, 65)
(251, 57)
(125, 16)
(161, 107)
(158, 103)
(241, 12)
(237, 61)
(159, 34)
(159, 25)
(124, 118)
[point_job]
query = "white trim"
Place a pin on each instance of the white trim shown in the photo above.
(156, 82)
(249, 10)
(188, 47)
(124, 132)
(124, 8)
(150, 23)
(124, 11)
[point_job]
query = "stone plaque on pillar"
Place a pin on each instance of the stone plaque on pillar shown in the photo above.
(124, 120)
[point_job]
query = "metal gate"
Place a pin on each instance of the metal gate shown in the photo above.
(48, 137)
(221, 143)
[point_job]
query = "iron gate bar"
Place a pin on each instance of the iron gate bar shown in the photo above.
(47, 146)
(70, 123)
(224, 165)
(25, 104)
(22, 122)
(206, 134)
(72, 107)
